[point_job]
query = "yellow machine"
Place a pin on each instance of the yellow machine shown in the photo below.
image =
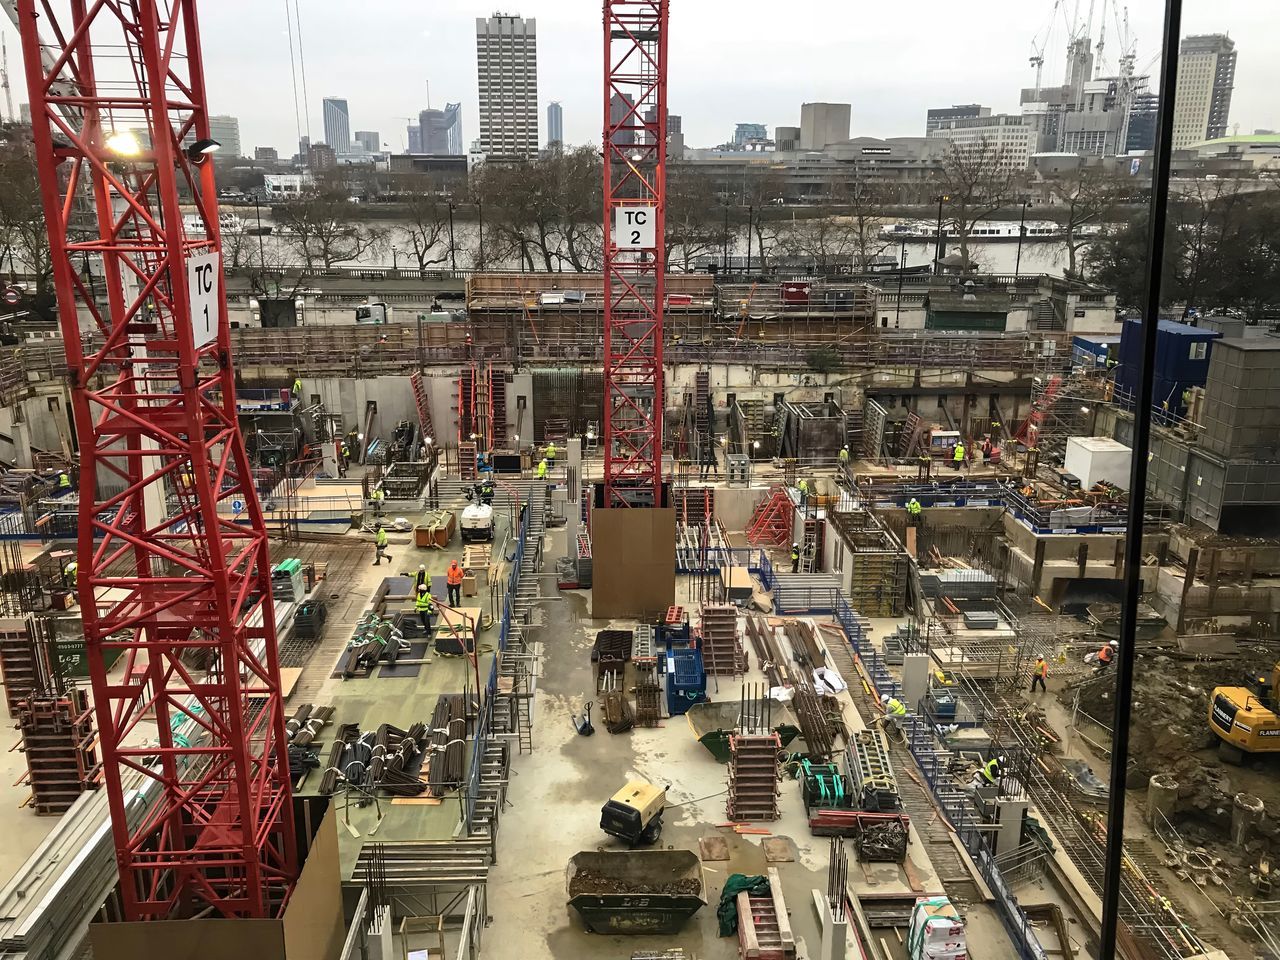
(634, 813)
(1246, 720)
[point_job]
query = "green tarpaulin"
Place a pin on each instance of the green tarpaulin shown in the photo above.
(727, 912)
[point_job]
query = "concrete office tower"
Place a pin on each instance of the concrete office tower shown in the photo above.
(337, 124)
(937, 116)
(414, 132)
(823, 123)
(369, 140)
(555, 124)
(786, 138)
(507, 66)
(441, 130)
(226, 130)
(1206, 76)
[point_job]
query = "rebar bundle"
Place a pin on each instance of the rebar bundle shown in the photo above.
(448, 731)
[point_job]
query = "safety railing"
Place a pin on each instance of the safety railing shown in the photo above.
(484, 723)
(934, 762)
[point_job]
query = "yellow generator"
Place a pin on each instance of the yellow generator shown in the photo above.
(634, 813)
(1246, 720)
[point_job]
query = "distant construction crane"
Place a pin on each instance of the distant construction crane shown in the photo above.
(635, 176)
(167, 576)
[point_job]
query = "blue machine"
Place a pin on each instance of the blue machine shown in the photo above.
(686, 679)
(669, 633)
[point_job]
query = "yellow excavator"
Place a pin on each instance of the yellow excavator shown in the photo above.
(1247, 720)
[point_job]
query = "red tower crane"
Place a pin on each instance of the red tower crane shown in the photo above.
(166, 574)
(635, 176)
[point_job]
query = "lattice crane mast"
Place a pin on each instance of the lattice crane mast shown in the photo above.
(635, 174)
(166, 574)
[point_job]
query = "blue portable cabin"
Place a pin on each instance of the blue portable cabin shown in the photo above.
(1182, 360)
(1093, 351)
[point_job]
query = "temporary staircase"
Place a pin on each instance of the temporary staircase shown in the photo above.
(913, 431)
(764, 929)
(423, 405)
(772, 520)
(753, 777)
(1039, 410)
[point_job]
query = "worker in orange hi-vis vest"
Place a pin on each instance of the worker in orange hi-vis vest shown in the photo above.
(453, 578)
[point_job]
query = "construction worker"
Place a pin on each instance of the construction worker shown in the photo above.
(425, 605)
(69, 573)
(894, 710)
(295, 391)
(844, 456)
(914, 510)
(64, 483)
(957, 455)
(795, 558)
(376, 499)
(542, 469)
(551, 452)
(453, 577)
(1108, 653)
(380, 546)
(486, 490)
(1038, 674)
(991, 771)
(804, 492)
(421, 576)
(344, 455)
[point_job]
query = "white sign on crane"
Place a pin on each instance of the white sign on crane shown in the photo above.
(635, 228)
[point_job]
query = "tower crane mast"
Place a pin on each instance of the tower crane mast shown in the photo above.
(635, 171)
(167, 576)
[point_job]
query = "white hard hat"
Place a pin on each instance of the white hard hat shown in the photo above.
(1000, 760)
(795, 544)
(422, 566)
(1115, 643)
(884, 698)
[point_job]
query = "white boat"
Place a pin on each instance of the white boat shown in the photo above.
(988, 231)
(229, 223)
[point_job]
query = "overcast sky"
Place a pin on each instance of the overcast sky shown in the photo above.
(741, 61)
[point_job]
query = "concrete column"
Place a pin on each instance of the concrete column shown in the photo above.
(1246, 813)
(833, 933)
(1162, 798)
(1009, 815)
(915, 679)
(573, 490)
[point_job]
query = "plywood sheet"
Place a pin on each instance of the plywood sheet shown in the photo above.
(633, 562)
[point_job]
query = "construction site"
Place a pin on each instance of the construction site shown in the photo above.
(720, 617)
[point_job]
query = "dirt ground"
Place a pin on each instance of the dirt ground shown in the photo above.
(1170, 735)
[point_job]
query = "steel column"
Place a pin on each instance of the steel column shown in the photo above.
(635, 174)
(167, 575)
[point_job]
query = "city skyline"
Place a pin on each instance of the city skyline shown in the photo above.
(242, 61)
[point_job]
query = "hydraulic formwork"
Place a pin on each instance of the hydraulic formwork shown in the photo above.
(164, 574)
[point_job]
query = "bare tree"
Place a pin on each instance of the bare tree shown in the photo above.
(546, 211)
(825, 241)
(320, 226)
(24, 238)
(977, 179)
(695, 222)
(1085, 195)
(427, 216)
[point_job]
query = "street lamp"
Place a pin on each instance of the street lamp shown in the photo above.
(938, 247)
(453, 249)
(395, 258)
(1022, 233)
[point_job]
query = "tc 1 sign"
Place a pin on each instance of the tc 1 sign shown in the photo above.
(635, 228)
(204, 276)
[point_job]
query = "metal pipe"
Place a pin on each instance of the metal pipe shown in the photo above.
(1112, 869)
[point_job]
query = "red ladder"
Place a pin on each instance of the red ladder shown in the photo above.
(420, 401)
(771, 522)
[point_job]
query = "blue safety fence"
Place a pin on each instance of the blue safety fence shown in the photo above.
(934, 762)
(484, 724)
(714, 559)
